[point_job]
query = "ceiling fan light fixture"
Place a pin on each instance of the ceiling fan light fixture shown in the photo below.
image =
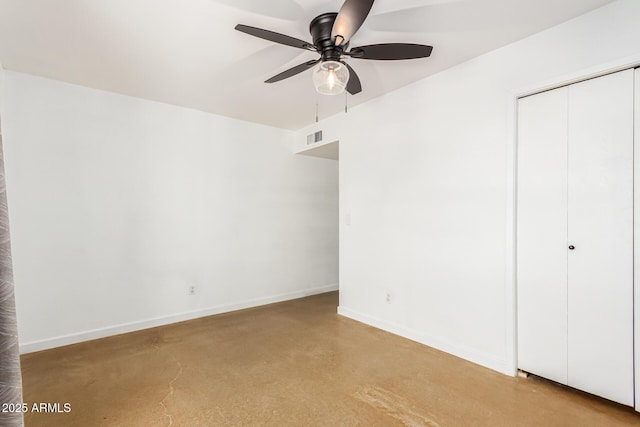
(330, 78)
(331, 34)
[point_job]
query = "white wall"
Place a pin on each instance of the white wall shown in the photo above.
(118, 205)
(426, 182)
(1, 92)
(1, 85)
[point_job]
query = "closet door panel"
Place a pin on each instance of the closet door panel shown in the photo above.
(542, 234)
(600, 227)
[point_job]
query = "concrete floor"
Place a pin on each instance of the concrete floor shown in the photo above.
(294, 363)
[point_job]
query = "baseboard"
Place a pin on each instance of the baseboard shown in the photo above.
(472, 355)
(59, 341)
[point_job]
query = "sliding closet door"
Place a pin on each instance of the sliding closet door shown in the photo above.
(600, 227)
(542, 234)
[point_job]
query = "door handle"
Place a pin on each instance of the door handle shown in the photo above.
(571, 247)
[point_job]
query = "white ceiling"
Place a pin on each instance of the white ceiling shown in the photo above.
(186, 52)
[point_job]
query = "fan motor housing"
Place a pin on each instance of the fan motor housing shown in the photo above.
(320, 29)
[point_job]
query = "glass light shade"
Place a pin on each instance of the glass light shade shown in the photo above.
(330, 78)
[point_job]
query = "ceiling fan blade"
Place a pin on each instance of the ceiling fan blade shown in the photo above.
(353, 85)
(292, 71)
(275, 37)
(391, 51)
(350, 18)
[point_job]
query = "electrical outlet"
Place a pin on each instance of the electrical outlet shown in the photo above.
(388, 297)
(192, 289)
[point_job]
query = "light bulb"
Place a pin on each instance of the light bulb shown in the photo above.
(330, 77)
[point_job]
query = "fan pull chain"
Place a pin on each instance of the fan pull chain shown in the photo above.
(316, 108)
(346, 109)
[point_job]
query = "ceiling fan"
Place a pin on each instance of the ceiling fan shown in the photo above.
(331, 33)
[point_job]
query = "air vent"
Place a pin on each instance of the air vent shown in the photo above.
(314, 138)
